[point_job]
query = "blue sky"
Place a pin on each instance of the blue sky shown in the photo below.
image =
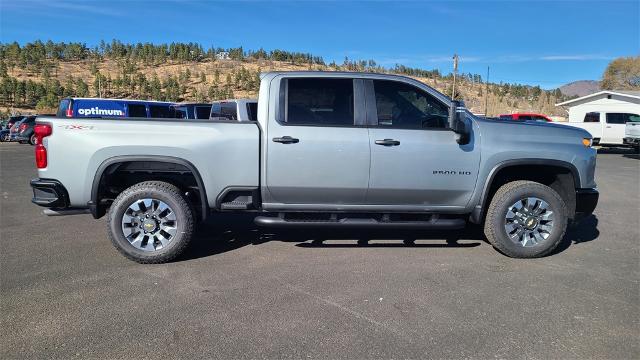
(546, 43)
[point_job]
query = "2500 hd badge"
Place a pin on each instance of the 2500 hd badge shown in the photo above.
(451, 172)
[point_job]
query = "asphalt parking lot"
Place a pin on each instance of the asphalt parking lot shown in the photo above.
(243, 293)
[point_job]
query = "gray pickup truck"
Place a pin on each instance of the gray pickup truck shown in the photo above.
(329, 149)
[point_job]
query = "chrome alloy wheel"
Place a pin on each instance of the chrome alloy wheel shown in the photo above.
(529, 221)
(149, 224)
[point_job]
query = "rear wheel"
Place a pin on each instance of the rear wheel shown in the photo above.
(33, 139)
(526, 219)
(151, 222)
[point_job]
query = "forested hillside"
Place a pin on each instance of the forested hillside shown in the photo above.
(34, 76)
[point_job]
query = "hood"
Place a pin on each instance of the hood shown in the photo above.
(538, 128)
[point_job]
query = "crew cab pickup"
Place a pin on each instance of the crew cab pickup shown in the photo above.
(329, 149)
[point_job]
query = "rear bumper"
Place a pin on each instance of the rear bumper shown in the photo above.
(586, 201)
(49, 193)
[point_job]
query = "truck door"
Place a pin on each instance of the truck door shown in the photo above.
(317, 147)
(613, 131)
(415, 159)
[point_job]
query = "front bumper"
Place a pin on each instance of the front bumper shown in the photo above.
(586, 201)
(49, 193)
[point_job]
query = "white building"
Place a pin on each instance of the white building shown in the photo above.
(604, 113)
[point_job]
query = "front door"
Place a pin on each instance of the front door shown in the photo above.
(316, 154)
(415, 159)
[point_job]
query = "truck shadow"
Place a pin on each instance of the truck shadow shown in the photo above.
(584, 231)
(624, 151)
(229, 232)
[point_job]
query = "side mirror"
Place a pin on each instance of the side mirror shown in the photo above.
(457, 121)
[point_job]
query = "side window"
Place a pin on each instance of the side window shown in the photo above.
(404, 106)
(202, 112)
(592, 117)
(137, 110)
(318, 101)
(159, 111)
(216, 111)
(64, 106)
(224, 111)
(621, 118)
(229, 110)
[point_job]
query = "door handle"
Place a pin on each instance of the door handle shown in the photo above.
(388, 142)
(286, 140)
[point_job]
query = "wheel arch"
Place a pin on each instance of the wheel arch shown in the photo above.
(489, 186)
(98, 210)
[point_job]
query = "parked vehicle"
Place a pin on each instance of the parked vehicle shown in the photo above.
(604, 114)
(15, 129)
(5, 133)
(25, 133)
(120, 108)
(526, 117)
(632, 132)
(189, 110)
(12, 120)
(235, 109)
(329, 149)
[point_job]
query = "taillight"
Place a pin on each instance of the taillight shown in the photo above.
(22, 127)
(41, 131)
(69, 112)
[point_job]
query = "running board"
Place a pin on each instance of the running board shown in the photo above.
(67, 211)
(435, 223)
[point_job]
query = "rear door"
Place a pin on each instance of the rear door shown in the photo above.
(415, 159)
(317, 145)
(613, 132)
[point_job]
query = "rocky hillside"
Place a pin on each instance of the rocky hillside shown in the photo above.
(580, 88)
(35, 76)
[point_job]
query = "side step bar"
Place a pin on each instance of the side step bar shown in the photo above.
(67, 211)
(434, 223)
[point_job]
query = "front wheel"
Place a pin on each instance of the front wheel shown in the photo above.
(526, 219)
(151, 222)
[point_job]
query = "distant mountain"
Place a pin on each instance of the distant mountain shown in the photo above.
(580, 88)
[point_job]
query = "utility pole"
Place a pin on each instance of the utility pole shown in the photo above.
(486, 93)
(455, 70)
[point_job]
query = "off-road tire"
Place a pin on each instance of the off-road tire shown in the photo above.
(162, 191)
(508, 194)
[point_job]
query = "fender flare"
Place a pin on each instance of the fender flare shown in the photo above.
(98, 211)
(479, 209)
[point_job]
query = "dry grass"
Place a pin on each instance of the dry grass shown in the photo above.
(472, 93)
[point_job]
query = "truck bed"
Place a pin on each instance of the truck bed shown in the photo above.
(80, 146)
